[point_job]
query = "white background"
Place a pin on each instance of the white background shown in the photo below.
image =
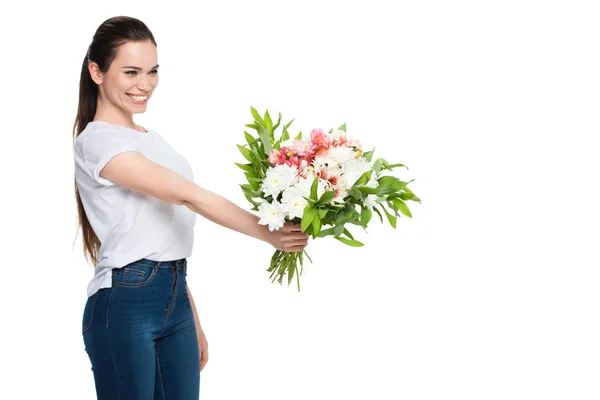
(491, 291)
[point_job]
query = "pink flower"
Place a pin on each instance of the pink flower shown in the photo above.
(318, 137)
(277, 157)
(302, 148)
(328, 176)
(293, 161)
(339, 138)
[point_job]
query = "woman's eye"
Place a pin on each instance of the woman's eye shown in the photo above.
(154, 71)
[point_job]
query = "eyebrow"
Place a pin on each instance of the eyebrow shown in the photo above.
(138, 68)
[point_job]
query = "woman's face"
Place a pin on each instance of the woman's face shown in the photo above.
(131, 78)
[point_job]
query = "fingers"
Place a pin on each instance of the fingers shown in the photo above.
(204, 356)
(295, 248)
(291, 227)
(295, 245)
(294, 237)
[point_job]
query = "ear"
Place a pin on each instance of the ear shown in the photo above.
(95, 72)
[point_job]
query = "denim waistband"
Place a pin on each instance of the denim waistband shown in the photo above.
(179, 264)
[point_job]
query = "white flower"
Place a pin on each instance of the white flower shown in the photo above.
(324, 161)
(303, 165)
(293, 202)
(353, 169)
(271, 214)
(370, 201)
(304, 184)
(341, 154)
(355, 143)
(373, 181)
(338, 136)
(277, 179)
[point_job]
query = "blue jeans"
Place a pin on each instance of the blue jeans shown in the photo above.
(140, 334)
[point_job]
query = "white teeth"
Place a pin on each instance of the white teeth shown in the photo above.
(138, 98)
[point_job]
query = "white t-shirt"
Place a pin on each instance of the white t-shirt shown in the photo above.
(129, 225)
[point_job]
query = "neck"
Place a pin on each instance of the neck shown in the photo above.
(112, 115)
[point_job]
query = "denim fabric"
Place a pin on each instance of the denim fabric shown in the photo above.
(140, 334)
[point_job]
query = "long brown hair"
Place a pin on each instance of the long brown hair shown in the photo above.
(110, 35)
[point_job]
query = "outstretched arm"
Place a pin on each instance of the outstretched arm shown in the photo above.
(142, 175)
(225, 213)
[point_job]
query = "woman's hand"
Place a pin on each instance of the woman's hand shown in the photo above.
(203, 348)
(289, 238)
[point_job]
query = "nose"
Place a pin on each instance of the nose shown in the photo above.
(144, 84)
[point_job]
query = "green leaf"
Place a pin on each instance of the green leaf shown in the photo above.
(285, 135)
(307, 217)
(322, 212)
(298, 136)
(396, 166)
(363, 179)
(326, 197)
(385, 190)
(365, 216)
(278, 122)
(253, 126)
(253, 180)
(245, 152)
(354, 192)
(391, 218)
(409, 195)
(316, 225)
(249, 138)
(254, 203)
(377, 165)
(265, 140)
(378, 213)
(313, 188)
(268, 122)
(326, 232)
(347, 233)
(342, 127)
(256, 115)
(369, 190)
(368, 155)
(402, 207)
(391, 205)
(338, 229)
(289, 123)
(246, 167)
(248, 190)
(349, 242)
(381, 163)
(392, 182)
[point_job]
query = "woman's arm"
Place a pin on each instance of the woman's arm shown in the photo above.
(136, 172)
(196, 318)
(225, 213)
(202, 342)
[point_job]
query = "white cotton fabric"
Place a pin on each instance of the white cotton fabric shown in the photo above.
(129, 225)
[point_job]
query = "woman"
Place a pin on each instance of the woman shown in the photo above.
(137, 206)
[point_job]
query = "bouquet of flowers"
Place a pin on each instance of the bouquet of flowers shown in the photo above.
(317, 182)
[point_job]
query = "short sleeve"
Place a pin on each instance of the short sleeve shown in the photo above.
(101, 146)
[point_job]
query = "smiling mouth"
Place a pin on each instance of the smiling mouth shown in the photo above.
(137, 99)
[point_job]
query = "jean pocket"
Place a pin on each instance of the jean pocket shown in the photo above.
(88, 312)
(134, 275)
